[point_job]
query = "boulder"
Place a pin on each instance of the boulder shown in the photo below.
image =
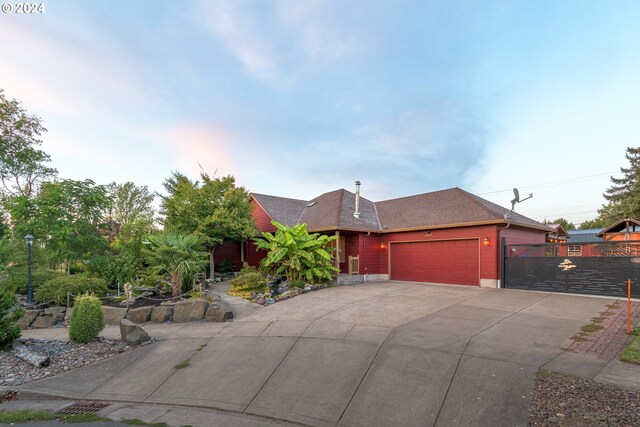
(132, 334)
(55, 310)
(162, 313)
(219, 311)
(28, 318)
(36, 359)
(43, 322)
(113, 315)
(139, 315)
(192, 310)
(67, 315)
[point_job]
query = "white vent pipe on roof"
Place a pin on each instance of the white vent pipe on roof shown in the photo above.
(356, 214)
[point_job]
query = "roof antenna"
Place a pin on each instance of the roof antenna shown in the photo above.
(515, 200)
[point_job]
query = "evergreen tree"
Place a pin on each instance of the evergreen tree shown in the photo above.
(624, 195)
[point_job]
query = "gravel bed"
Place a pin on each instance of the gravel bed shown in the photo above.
(64, 356)
(562, 400)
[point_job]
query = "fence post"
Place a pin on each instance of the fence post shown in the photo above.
(628, 306)
(68, 299)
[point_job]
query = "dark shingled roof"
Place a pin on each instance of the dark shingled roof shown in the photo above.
(334, 210)
(285, 211)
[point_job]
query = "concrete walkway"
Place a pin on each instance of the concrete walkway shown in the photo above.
(387, 353)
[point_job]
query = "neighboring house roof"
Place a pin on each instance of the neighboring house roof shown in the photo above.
(439, 209)
(559, 230)
(584, 236)
(624, 225)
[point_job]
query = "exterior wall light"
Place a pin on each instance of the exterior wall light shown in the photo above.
(486, 241)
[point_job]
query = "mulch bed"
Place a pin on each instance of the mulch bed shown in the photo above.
(563, 400)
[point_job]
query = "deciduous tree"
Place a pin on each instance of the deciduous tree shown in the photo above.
(22, 164)
(214, 209)
(64, 217)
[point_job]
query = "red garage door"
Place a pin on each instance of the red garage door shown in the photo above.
(448, 261)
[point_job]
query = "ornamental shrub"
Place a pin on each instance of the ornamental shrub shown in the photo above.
(18, 278)
(56, 289)
(226, 266)
(244, 285)
(87, 319)
(9, 314)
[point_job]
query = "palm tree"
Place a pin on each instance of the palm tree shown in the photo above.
(176, 254)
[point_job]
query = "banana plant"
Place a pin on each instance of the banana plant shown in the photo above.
(296, 254)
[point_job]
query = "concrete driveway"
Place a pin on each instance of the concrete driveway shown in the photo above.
(378, 354)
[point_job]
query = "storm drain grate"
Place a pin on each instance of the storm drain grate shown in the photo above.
(82, 408)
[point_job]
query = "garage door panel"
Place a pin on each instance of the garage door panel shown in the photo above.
(450, 261)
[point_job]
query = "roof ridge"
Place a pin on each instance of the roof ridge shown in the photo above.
(475, 200)
(416, 195)
(375, 208)
(279, 197)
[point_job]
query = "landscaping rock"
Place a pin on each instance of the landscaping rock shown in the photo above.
(290, 293)
(28, 318)
(113, 315)
(36, 359)
(67, 315)
(191, 310)
(139, 315)
(219, 311)
(43, 322)
(162, 313)
(54, 310)
(132, 334)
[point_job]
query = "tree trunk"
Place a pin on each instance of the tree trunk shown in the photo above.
(176, 285)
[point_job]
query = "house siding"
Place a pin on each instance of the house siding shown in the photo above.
(253, 256)
(370, 253)
(261, 218)
(228, 250)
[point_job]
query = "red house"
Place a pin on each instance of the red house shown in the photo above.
(449, 236)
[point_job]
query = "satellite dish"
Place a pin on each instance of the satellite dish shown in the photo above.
(515, 200)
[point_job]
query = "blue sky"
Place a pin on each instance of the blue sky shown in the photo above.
(296, 98)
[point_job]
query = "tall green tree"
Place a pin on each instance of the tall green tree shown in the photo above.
(176, 254)
(593, 223)
(65, 217)
(213, 209)
(623, 196)
(22, 163)
(130, 214)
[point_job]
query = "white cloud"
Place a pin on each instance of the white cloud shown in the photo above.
(283, 39)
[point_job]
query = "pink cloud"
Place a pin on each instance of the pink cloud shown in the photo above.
(198, 146)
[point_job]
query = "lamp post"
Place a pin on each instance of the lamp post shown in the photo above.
(29, 239)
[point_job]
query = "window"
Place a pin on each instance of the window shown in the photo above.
(575, 250)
